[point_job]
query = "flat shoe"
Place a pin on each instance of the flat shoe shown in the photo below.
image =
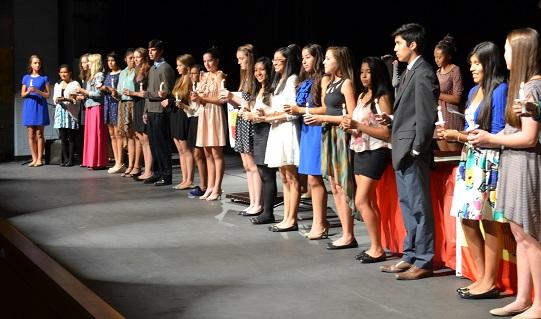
(352, 244)
(500, 312)
(260, 221)
(491, 294)
(367, 259)
(293, 227)
(246, 214)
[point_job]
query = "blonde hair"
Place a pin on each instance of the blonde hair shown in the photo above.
(524, 65)
(183, 84)
(95, 64)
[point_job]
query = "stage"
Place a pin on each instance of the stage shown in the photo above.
(151, 252)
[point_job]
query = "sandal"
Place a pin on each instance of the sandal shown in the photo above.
(136, 171)
(127, 172)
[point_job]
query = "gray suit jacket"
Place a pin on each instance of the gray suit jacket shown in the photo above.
(415, 110)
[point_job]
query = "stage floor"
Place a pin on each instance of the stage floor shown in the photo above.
(151, 252)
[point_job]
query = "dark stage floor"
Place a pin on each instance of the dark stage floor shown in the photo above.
(153, 253)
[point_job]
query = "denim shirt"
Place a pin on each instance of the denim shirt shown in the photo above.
(95, 96)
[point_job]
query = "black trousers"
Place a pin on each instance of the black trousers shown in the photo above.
(268, 176)
(159, 137)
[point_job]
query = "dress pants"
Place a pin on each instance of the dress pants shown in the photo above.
(159, 137)
(413, 184)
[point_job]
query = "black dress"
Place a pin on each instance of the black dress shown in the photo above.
(139, 107)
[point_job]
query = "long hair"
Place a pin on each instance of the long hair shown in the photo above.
(317, 72)
(344, 64)
(491, 59)
(247, 79)
(525, 63)
(96, 64)
(29, 67)
(293, 65)
(142, 70)
(380, 82)
(83, 74)
(183, 84)
(269, 70)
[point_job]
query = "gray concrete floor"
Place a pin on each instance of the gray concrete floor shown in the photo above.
(153, 253)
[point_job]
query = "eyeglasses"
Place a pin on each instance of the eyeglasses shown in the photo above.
(278, 60)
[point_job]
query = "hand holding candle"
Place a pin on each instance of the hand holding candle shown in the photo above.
(344, 112)
(141, 87)
(176, 97)
(112, 83)
(31, 82)
(161, 86)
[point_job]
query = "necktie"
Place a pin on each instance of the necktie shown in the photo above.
(403, 78)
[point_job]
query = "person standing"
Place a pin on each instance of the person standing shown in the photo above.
(160, 82)
(35, 92)
(412, 130)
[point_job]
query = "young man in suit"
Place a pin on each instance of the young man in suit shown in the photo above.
(412, 129)
(160, 83)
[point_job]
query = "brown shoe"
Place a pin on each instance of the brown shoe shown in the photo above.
(415, 273)
(401, 266)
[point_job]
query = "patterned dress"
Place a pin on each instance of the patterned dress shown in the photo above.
(110, 111)
(477, 174)
(66, 114)
(244, 134)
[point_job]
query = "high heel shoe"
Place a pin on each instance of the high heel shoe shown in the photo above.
(323, 235)
(214, 197)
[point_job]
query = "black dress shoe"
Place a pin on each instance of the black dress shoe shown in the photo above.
(293, 227)
(352, 244)
(151, 180)
(260, 221)
(162, 182)
(68, 164)
(491, 294)
(246, 214)
(367, 259)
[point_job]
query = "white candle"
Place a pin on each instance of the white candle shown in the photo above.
(440, 117)
(30, 82)
(344, 112)
(176, 97)
(378, 110)
(222, 84)
(112, 83)
(522, 97)
(161, 86)
(194, 86)
(141, 86)
(307, 110)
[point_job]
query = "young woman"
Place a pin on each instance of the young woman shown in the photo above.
(451, 89)
(84, 72)
(35, 92)
(519, 187)
(125, 112)
(244, 134)
(110, 110)
(66, 115)
(140, 59)
(262, 105)
(309, 102)
(212, 123)
(372, 151)
(339, 99)
(180, 121)
(475, 188)
(193, 110)
(95, 145)
(283, 141)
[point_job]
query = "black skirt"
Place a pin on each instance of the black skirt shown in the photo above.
(192, 131)
(179, 124)
(372, 163)
(138, 111)
(261, 135)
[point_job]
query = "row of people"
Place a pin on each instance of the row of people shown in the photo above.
(309, 120)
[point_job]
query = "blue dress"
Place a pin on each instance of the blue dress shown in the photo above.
(110, 110)
(310, 144)
(35, 110)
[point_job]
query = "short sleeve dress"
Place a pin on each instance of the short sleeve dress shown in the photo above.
(35, 110)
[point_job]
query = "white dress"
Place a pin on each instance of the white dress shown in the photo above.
(283, 141)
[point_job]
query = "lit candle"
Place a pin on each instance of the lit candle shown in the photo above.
(176, 97)
(522, 97)
(141, 86)
(31, 82)
(440, 117)
(344, 112)
(307, 110)
(161, 86)
(378, 110)
(222, 84)
(113, 83)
